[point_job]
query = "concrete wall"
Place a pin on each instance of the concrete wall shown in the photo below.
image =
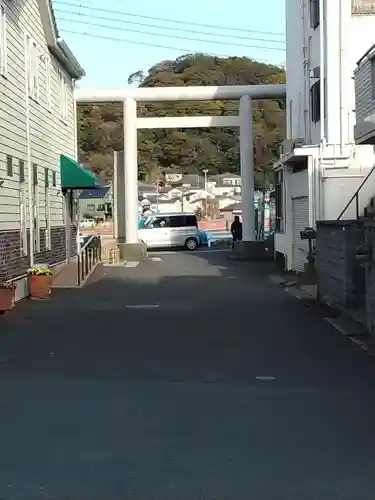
(338, 272)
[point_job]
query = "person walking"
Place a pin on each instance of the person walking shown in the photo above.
(236, 230)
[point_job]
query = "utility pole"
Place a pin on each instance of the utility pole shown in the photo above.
(205, 171)
(157, 195)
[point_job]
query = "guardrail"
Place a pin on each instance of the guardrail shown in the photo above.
(89, 255)
(356, 196)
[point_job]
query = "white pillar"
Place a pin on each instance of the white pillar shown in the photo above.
(131, 170)
(118, 205)
(247, 168)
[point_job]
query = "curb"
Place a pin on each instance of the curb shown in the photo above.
(338, 321)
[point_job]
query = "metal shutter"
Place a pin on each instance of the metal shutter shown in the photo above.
(300, 220)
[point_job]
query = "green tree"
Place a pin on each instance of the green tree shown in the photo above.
(190, 150)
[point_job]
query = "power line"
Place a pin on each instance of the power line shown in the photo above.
(168, 28)
(186, 23)
(125, 40)
(216, 42)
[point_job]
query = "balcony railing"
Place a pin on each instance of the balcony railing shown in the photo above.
(89, 255)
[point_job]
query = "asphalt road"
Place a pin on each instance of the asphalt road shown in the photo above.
(184, 378)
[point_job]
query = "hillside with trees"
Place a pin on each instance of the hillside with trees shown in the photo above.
(190, 150)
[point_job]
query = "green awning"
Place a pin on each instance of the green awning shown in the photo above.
(73, 176)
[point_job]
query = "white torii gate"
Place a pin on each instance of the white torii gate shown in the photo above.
(129, 98)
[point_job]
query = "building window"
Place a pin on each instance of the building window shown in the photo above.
(53, 179)
(47, 209)
(314, 13)
(91, 208)
(363, 7)
(22, 171)
(48, 70)
(9, 166)
(279, 201)
(64, 104)
(32, 68)
(315, 101)
(3, 41)
(35, 200)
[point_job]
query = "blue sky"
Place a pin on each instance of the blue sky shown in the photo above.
(108, 62)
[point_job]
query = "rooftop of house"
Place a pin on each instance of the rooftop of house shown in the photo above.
(87, 194)
(55, 43)
(226, 175)
(234, 207)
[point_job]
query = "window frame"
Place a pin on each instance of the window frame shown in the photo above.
(315, 96)
(314, 14)
(64, 97)
(279, 202)
(9, 166)
(3, 41)
(48, 70)
(32, 67)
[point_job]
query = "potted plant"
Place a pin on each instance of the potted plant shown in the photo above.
(39, 282)
(7, 291)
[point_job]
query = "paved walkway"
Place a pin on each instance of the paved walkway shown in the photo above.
(186, 377)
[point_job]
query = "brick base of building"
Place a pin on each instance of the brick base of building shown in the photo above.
(14, 264)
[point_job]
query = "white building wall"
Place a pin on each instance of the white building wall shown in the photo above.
(50, 135)
(338, 171)
(303, 55)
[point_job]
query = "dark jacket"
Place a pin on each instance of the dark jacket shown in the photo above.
(236, 230)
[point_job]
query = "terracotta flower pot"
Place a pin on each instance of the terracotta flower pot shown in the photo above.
(6, 299)
(39, 286)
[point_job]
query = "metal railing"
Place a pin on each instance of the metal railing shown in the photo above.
(356, 196)
(89, 255)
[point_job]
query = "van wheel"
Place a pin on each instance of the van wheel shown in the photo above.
(191, 244)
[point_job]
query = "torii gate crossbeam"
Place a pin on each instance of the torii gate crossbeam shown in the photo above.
(245, 93)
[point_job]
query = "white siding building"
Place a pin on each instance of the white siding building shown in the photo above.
(37, 125)
(320, 167)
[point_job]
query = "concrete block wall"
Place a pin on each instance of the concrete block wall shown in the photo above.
(339, 280)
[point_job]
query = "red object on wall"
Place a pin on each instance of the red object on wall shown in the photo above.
(212, 225)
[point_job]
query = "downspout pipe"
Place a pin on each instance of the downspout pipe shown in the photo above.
(341, 79)
(317, 172)
(29, 156)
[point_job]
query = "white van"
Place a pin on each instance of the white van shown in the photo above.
(170, 230)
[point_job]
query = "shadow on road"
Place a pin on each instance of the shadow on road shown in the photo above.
(188, 377)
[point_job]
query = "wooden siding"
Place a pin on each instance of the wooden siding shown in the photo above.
(49, 135)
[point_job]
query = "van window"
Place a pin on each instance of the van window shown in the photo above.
(183, 221)
(191, 221)
(160, 222)
(178, 221)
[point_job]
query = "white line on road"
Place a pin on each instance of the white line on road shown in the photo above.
(142, 306)
(265, 378)
(156, 259)
(131, 264)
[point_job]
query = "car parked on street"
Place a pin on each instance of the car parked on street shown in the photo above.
(170, 230)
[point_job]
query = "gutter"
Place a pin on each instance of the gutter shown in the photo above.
(65, 56)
